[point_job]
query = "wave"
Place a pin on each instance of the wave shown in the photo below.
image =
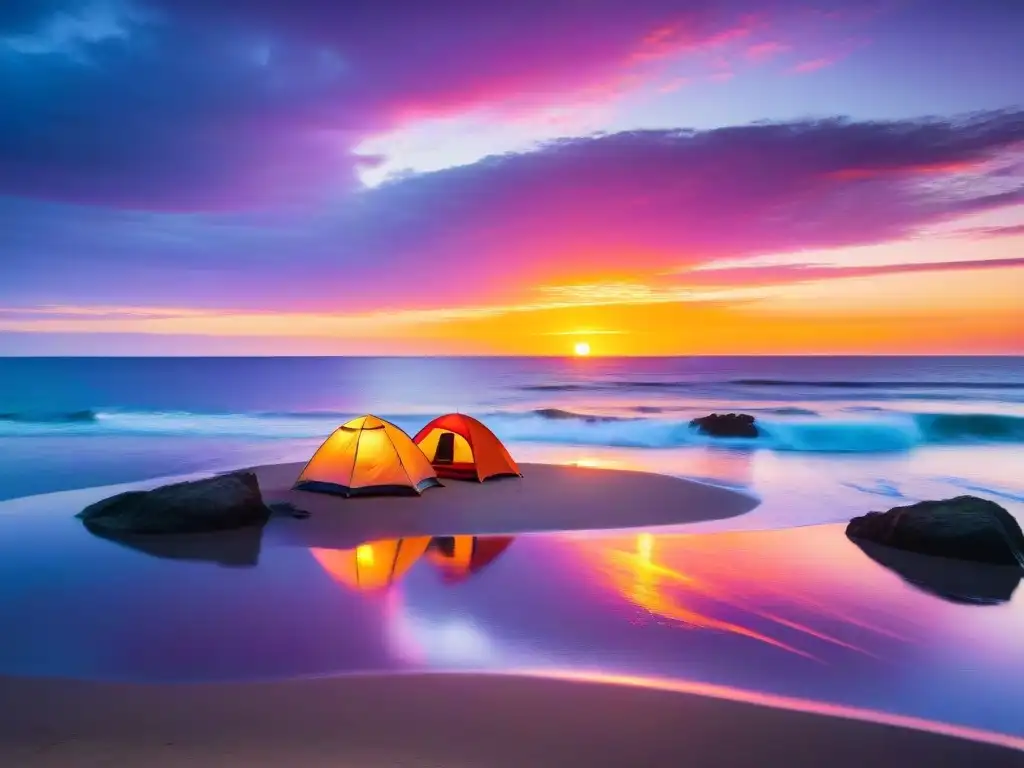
(816, 389)
(786, 410)
(982, 427)
(786, 431)
(70, 417)
(877, 384)
(559, 414)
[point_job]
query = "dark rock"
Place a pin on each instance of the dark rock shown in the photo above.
(727, 425)
(963, 528)
(958, 581)
(235, 548)
(214, 504)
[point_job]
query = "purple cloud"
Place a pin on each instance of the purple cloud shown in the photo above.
(630, 203)
(210, 106)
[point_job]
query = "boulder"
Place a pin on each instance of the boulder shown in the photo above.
(213, 504)
(726, 425)
(963, 528)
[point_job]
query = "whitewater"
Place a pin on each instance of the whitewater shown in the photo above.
(792, 429)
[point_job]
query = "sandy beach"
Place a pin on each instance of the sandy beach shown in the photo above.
(440, 720)
(548, 497)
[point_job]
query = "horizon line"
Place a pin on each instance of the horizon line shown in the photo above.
(976, 355)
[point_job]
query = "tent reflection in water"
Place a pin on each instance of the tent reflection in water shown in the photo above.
(368, 456)
(463, 448)
(459, 557)
(373, 565)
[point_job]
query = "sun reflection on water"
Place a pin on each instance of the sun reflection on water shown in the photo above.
(711, 583)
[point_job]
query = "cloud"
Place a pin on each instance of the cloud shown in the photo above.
(813, 65)
(1014, 230)
(577, 211)
(774, 274)
(67, 31)
(165, 321)
(768, 49)
(192, 105)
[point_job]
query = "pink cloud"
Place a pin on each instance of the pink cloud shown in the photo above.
(675, 84)
(813, 65)
(680, 37)
(795, 273)
(766, 50)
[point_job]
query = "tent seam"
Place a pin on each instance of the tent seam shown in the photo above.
(401, 463)
(355, 458)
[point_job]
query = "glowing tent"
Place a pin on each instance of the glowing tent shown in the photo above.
(374, 565)
(460, 447)
(367, 456)
(459, 557)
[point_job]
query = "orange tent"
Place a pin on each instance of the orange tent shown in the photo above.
(368, 456)
(459, 557)
(461, 447)
(374, 565)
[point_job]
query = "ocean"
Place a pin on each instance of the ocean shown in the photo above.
(840, 434)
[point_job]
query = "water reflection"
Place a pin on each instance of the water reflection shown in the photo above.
(459, 557)
(235, 549)
(374, 565)
(699, 596)
(953, 580)
(377, 565)
(801, 614)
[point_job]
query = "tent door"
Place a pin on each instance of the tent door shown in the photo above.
(445, 453)
(445, 545)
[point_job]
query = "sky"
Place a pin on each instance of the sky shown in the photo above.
(654, 177)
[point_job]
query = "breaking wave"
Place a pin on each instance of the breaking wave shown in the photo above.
(70, 417)
(784, 429)
(813, 389)
(879, 384)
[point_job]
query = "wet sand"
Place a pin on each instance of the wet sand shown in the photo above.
(548, 497)
(441, 720)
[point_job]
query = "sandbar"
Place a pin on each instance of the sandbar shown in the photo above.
(549, 497)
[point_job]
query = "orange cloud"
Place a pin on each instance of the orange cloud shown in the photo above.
(856, 174)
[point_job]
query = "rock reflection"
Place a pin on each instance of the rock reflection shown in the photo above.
(236, 549)
(953, 580)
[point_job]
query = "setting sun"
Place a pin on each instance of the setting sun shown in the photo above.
(582, 349)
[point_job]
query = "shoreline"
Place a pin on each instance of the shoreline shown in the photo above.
(458, 719)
